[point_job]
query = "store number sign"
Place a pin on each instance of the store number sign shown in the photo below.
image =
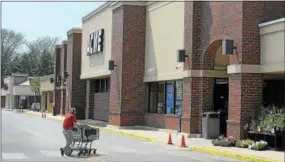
(95, 42)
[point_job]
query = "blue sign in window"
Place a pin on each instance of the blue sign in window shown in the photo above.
(170, 98)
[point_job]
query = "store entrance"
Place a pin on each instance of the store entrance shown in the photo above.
(221, 97)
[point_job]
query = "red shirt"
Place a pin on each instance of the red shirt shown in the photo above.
(69, 121)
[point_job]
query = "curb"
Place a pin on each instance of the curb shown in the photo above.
(231, 155)
(208, 150)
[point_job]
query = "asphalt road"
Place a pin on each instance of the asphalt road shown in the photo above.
(27, 138)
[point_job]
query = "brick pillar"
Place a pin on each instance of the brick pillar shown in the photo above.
(63, 55)
(197, 98)
(245, 95)
(62, 103)
(126, 84)
(75, 87)
(56, 83)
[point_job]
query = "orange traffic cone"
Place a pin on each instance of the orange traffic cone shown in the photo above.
(183, 142)
(169, 140)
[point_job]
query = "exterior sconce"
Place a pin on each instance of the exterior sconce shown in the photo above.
(58, 79)
(66, 75)
(181, 56)
(228, 47)
(51, 80)
(111, 65)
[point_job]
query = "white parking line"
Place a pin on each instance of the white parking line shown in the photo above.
(14, 156)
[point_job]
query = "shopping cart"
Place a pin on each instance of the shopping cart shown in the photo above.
(82, 139)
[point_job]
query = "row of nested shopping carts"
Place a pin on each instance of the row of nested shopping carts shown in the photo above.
(82, 138)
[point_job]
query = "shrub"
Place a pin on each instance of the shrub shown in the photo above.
(244, 143)
(258, 146)
(225, 142)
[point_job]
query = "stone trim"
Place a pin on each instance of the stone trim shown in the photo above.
(96, 11)
(94, 75)
(272, 22)
(187, 74)
(121, 3)
(74, 30)
(243, 68)
(233, 122)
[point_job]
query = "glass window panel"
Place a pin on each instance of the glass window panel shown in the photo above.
(161, 98)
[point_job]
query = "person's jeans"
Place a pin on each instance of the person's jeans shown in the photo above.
(68, 137)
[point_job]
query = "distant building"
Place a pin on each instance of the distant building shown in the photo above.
(15, 91)
(46, 90)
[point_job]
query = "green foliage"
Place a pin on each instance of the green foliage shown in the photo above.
(35, 84)
(11, 43)
(269, 117)
(244, 143)
(36, 60)
(258, 146)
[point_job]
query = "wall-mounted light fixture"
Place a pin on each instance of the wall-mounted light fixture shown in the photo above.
(181, 56)
(58, 79)
(228, 47)
(111, 65)
(66, 75)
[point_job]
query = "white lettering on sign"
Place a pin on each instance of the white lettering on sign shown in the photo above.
(95, 42)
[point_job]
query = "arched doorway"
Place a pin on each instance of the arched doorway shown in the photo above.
(214, 60)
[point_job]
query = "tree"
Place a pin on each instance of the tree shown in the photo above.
(11, 42)
(35, 84)
(40, 53)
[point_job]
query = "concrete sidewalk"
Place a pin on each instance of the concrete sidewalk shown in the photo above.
(196, 144)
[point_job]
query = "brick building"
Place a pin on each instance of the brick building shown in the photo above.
(69, 90)
(148, 86)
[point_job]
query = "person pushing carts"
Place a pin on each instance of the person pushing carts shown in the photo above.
(78, 136)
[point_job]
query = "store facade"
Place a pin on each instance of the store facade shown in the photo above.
(149, 85)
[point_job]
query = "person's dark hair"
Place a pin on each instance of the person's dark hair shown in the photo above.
(73, 111)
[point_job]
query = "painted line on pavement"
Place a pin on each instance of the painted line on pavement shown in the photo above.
(232, 155)
(14, 156)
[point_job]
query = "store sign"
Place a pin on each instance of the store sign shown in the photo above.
(95, 42)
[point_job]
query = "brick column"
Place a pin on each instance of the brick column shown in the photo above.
(126, 84)
(197, 98)
(245, 95)
(75, 87)
(63, 61)
(56, 83)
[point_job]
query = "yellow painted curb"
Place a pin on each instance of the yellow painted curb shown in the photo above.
(231, 155)
(136, 135)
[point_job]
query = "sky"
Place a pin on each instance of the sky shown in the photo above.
(37, 19)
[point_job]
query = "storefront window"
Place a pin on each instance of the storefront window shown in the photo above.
(179, 97)
(170, 98)
(153, 98)
(102, 85)
(166, 97)
(161, 98)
